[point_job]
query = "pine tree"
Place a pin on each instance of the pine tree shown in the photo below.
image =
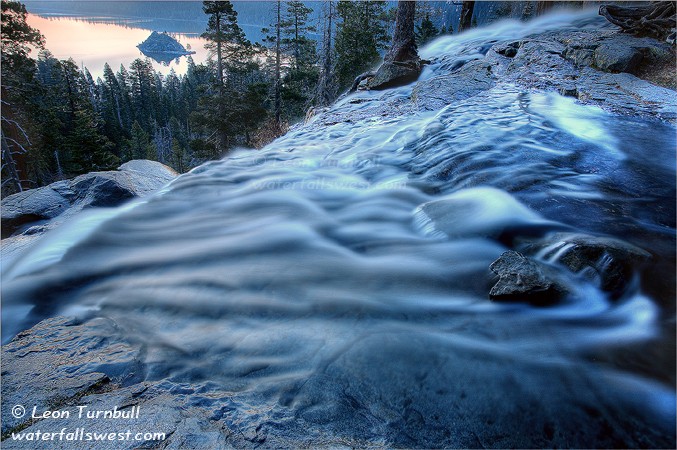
(426, 31)
(113, 95)
(253, 111)
(144, 95)
(138, 146)
(278, 75)
(298, 84)
(179, 157)
(224, 37)
(17, 36)
(122, 75)
(295, 30)
(233, 53)
(86, 148)
(360, 35)
(499, 10)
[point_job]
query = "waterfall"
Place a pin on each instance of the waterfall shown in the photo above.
(336, 282)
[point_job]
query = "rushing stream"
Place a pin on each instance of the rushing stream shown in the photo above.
(306, 287)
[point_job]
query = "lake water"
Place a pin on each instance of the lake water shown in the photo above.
(96, 41)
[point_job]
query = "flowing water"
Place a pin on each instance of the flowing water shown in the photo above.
(306, 290)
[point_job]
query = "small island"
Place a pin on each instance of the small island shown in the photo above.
(162, 47)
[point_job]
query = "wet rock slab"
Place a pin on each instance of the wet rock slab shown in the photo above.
(471, 79)
(363, 398)
(60, 365)
(56, 361)
(595, 67)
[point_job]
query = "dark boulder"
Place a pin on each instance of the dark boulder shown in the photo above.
(615, 53)
(394, 73)
(616, 57)
(522, 279)
(103, 188)
(508, 50)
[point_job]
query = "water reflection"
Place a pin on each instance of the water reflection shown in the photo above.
(94, 44)
(163, 58)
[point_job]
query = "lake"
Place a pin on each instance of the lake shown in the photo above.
(93, 33)
(96, 41)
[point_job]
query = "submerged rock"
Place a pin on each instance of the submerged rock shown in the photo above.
(383, 390)
(72, 368)
(481, 211)
(37, 365)
(522, 279)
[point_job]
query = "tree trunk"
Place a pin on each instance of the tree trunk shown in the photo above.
(297, 52)
(466, 16)
(543, 7)
(401, 64)
(219, 51)
(278, 97)
(117, 110)
(59, 170)
(325, 90)
(403, 47)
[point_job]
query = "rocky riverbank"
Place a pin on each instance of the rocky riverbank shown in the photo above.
(615, 71)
